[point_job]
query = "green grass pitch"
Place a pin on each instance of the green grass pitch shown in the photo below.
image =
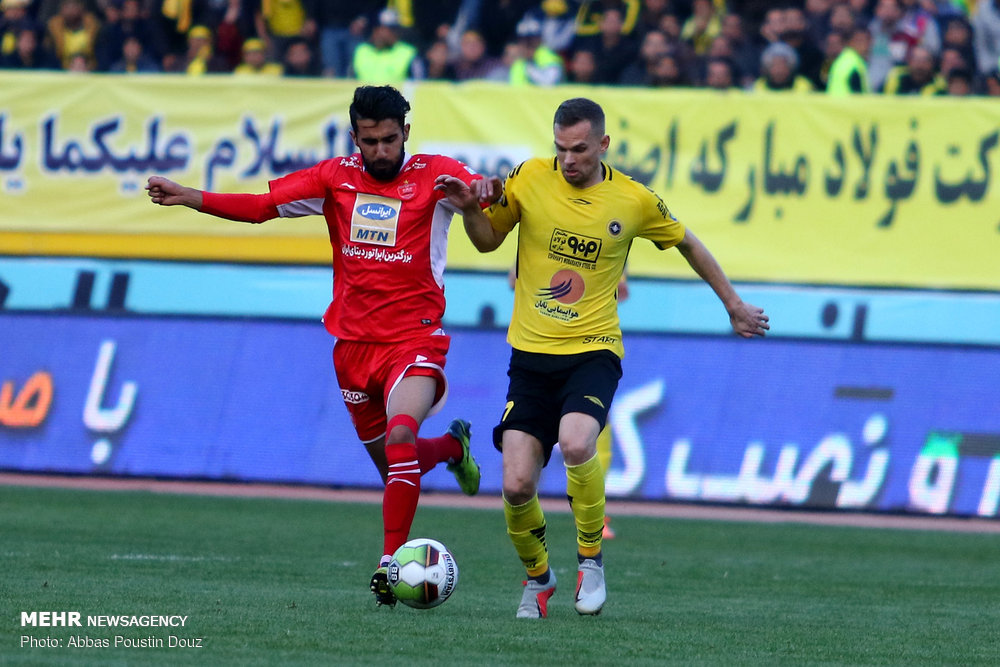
(269, 582)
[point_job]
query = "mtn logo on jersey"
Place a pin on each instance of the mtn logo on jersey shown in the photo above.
(572, 248)
(374, 219)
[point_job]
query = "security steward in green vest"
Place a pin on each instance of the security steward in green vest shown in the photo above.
(385, 58)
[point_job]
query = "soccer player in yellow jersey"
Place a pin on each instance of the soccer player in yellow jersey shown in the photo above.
(578, 217)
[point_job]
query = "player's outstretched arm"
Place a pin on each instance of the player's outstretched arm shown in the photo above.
(747, 320)
(469, 201)
(165, 192)
(240, 207)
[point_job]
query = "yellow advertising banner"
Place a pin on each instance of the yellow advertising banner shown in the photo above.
(782, 188)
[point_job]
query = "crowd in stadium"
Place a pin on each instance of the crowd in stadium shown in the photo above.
(918, 47)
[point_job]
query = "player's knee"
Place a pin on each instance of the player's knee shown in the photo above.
(400, 434)
(577, 450)
(518, 491)
(401, 428)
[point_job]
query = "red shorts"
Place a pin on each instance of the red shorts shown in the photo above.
(368, 372)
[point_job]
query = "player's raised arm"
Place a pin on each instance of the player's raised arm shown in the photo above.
(469, 200)
(746, 319)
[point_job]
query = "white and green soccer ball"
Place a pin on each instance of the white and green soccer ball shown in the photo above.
(423, 573)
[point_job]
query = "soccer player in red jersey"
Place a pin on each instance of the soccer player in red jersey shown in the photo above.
(388, 226)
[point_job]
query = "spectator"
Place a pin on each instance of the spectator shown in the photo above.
(122, 24)
(918, 77)
(299, 59)
(670, 25)
(432, 21)
(960, 83)
(986, 35)
(385, 58)
(650, 14)
(255, 60)
(13, 20)
(80, 63)
(582, 68)
(73, 32)
(437, 62)
(771, 27)
(473, 61)
(229, 21)
(668, 72)
(536, 64)
(277, 23)
(861, 9)
(702, 26)
(889, 43)
(339, 26)
(613, 51)
(952, 59)
(796, 35)
(654, 44)
(921, 25)
(720, 74)
(895, 30)
(842, 18)
(992, 83)
(134, 59)
(817, 15)
(743, 53)
(849, 72)
(779, 71)
(497, 22)
(29, 53)
(832, 46)
(957, 34)
(588, 18)
(200, 57)
(558, 19)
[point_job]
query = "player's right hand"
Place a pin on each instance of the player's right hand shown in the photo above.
(165, 192)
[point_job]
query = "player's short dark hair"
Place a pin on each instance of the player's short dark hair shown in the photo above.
(579, 109)
(378, 103)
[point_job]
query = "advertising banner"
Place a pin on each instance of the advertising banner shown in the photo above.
(842, 425)
(803, 189)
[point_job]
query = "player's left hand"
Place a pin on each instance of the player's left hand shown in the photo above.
(749, 320)
(482, 191)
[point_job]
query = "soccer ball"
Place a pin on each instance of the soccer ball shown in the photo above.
(422, 573)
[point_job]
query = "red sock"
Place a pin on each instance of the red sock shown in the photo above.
(432, 451)
(402, 492)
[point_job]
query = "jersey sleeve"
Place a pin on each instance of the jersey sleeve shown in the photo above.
(658, 224)
(301, 192)
(506, 212)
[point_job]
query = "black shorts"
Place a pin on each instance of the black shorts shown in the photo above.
(544, 387)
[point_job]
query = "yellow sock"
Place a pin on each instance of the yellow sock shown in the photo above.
(585, 488)
(604, 448)
(526, 528)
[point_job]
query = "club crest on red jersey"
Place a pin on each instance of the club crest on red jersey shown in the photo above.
(406, 190)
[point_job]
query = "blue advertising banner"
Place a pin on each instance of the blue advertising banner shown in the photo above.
(697, 418)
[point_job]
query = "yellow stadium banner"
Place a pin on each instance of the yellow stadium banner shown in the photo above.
(782, 188)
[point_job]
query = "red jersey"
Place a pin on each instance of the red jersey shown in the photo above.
(389, 242)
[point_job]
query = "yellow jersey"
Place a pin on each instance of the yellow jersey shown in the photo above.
(571, 251)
